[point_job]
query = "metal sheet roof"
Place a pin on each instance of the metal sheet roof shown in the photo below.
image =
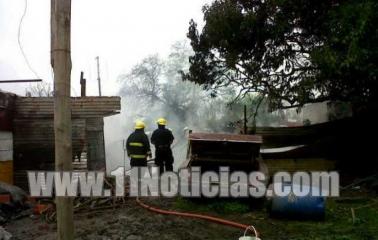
(222, 137)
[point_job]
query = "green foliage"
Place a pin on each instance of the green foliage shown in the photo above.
(291, 51)
(348, 59)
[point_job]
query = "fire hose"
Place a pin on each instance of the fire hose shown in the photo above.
(199, 216)
(192, 215)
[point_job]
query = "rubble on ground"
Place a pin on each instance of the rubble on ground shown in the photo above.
(15, 205)
(4, 235)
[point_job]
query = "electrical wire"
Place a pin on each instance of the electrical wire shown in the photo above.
(19, 40)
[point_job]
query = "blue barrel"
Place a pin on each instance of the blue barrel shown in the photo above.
(296, 207)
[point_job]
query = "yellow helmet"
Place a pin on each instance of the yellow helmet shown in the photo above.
(161, 121)
(139, 125)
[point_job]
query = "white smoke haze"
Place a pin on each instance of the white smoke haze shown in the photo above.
(154, 89)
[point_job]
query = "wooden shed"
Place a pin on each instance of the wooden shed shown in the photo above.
(32, 127)
(213, 150)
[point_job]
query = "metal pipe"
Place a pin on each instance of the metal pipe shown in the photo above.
(20, 80)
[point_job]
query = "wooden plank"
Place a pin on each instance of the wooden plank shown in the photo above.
(86, 107)
(74, 106)
(36, 134)
(49, 103)
(73, 99)
(85, 112)
(76, 114)
(218, 137)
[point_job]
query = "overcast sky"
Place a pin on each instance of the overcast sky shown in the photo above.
(121, 32)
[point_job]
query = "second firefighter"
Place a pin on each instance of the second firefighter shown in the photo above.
(162, 138)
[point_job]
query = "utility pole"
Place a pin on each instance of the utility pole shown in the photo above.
(245, 120)
(98, 75)
(83, 83)
(61, 64)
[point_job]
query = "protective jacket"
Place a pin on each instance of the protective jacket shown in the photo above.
(162, 138)
(138, 148)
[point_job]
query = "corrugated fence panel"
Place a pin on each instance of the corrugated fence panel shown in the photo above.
(6, 157)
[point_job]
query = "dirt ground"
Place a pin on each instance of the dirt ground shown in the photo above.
(131, 222)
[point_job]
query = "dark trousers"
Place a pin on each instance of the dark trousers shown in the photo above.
(164, 159)
(138, 162)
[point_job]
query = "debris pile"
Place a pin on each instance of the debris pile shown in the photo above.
(14, 203)
(4, 235)
(81, 206)
(47, 209)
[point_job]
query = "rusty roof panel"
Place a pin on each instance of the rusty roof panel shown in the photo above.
(221, 137)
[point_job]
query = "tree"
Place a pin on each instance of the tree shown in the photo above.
(157, 83)
(43, 89)
(291, 51)
(143, 81)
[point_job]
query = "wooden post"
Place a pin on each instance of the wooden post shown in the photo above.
(83, 84)
(61, 63)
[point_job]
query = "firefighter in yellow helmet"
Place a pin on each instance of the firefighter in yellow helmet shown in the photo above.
(162, 138)
(138, 146)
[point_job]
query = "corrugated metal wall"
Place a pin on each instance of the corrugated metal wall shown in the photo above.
(7, 102)
(6, 157)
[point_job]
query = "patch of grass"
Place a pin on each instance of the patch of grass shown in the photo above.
(338, 224)
(219, 206)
